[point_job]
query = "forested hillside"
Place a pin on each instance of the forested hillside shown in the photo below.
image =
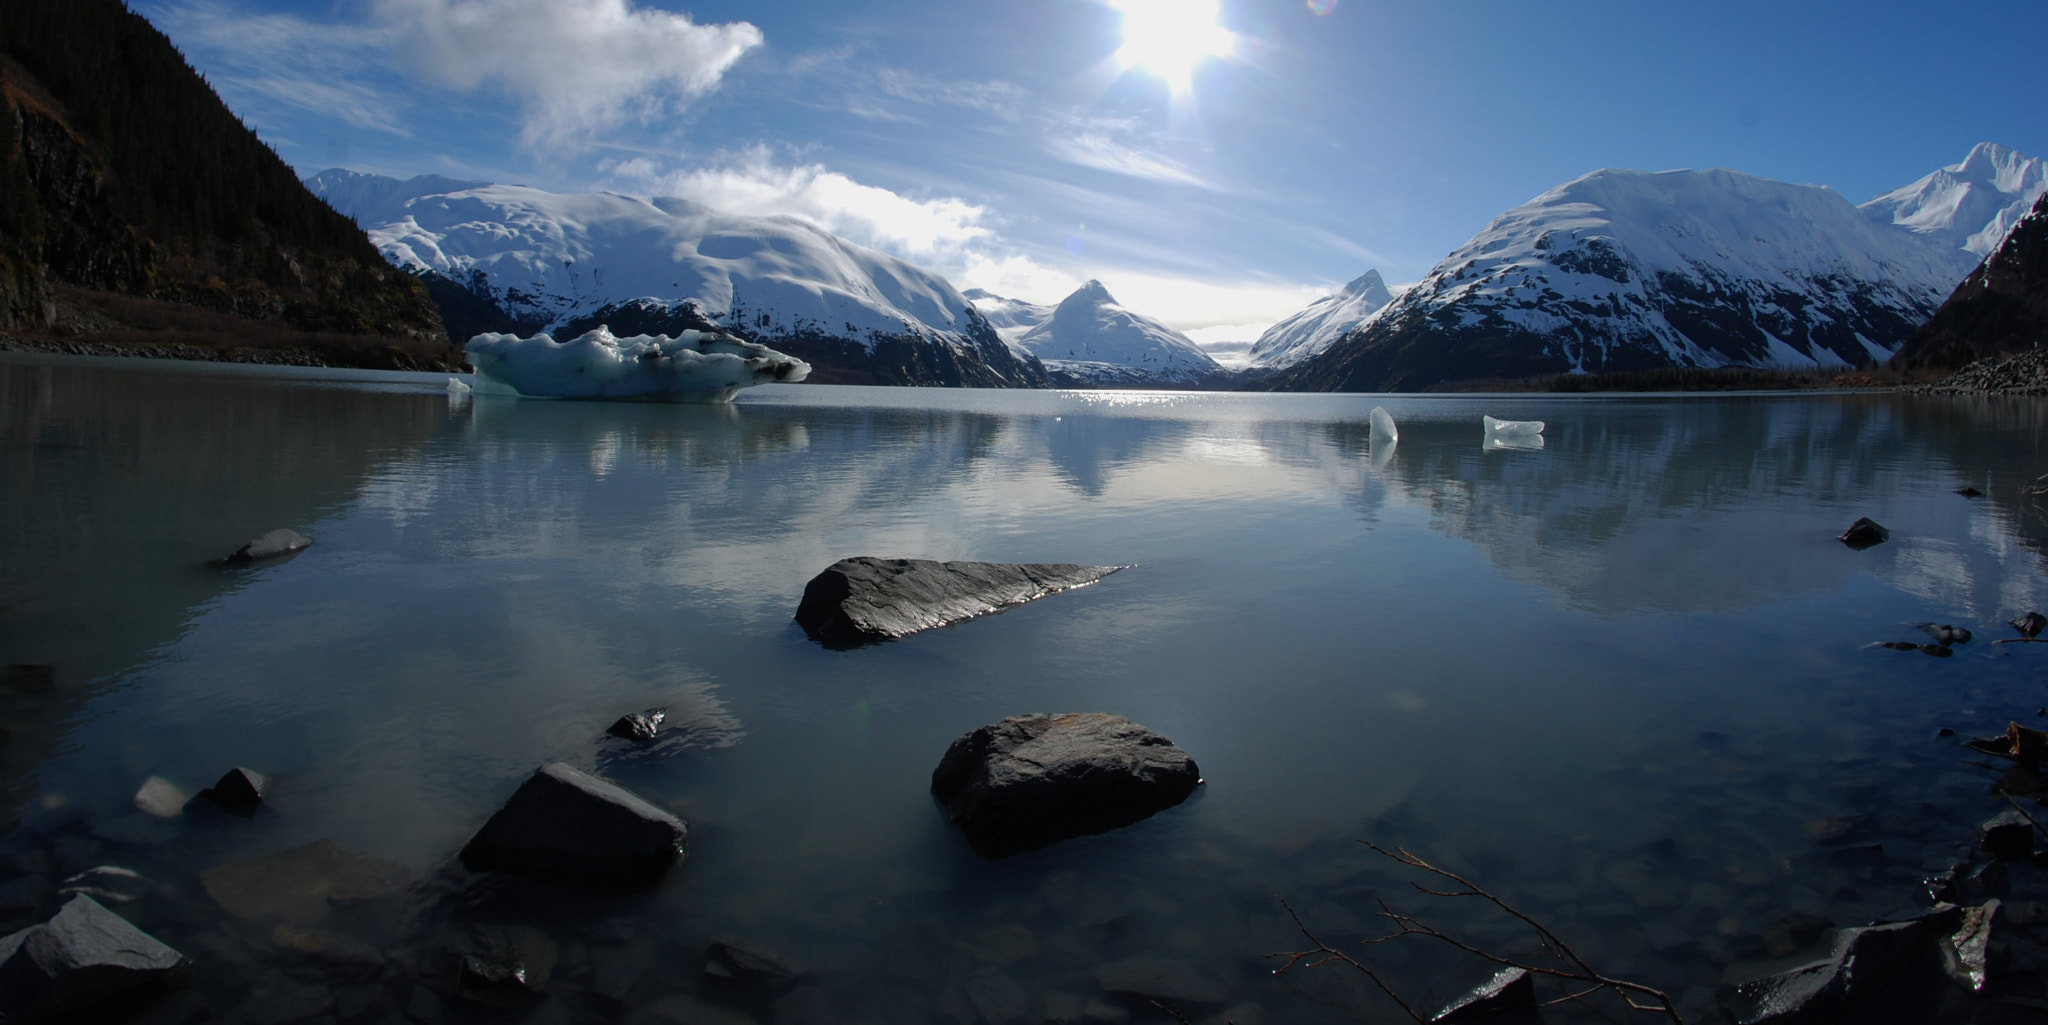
(134, 206)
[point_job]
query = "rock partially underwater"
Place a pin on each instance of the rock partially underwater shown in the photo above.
(566, 826)
(1030, 781)
(864, 599)
(693, 366)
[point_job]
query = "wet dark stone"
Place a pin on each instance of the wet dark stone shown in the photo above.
(1969, 492)
(1901, 645)
(566, 826)
(2009, 835)
(1508, 998)
(864, 600)
(1865, 533)
(1944, 732)
(2030, 625)
(735, 960)
(496, 980)
(84, 961)
(1033, 780)
(639, 725)
(1889, 974)
(1937, 650)
(239, 791)
(270, 545)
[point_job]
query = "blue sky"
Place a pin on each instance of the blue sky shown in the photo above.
(1004, 144)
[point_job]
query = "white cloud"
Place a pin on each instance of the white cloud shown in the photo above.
(577, 65)
(1100, 151)
(1187, 304)
(753, 182)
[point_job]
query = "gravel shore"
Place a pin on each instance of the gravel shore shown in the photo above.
(202, 353)
(2023, 374)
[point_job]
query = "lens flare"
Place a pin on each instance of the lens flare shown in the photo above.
(1169, 38)
(1321, 7)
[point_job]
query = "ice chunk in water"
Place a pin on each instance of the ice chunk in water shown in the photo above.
(456, 386)
(694, 366)
(1383, 428)
(1511, 428)
(1506, 442)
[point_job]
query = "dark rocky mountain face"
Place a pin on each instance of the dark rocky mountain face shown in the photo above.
(132, 199)
(2001, 307)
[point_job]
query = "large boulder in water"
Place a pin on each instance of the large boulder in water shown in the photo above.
(864, 599)
(1033, 780)
(84, 962)
(270, 545)
(567, 826)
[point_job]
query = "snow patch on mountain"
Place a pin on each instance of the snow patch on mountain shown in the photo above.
(550, 260)
(1092, 338)
(1314, 329)
(1968, 207)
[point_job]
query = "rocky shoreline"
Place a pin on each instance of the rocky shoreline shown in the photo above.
(2024, 374)
(196, 353)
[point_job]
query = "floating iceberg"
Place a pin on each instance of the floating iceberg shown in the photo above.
(694, 366)
(1383, 428)
(1511, 428)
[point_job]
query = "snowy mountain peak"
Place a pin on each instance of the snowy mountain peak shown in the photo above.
(1324, 321)
(1092, 339)
(355, 192)
(1970, 206)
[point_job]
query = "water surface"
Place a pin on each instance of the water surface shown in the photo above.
(1623, 679)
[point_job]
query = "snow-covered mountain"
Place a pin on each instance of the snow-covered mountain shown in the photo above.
(1324, 321)
(1090, 340)
(2002, 307)
(1629, 270)
(567, 263)
(1969, 206)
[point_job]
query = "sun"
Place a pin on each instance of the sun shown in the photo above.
(1168, 38)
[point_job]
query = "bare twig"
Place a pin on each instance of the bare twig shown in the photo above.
(1580, 978)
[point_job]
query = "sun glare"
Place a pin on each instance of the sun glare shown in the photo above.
(1169, 38)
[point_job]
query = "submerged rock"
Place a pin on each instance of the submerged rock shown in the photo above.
(736, 960)
(1865, 533)
(301, 885)
(270, 545)
(1969, 492)
(161, 798)
(1034, 780)
(1159, 978)
(1509, 997)
(864, 600)
(84, 961)
(564, 825)
(2022, 744)
(2030, 624)
(1945, 634)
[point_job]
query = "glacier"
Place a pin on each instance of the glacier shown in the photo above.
(694, 366)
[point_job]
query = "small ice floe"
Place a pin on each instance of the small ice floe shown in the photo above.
(694, 366)
(1507, 434)
(1383, 428)
(457, 388)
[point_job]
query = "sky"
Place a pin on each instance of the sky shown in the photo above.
(1217, 164)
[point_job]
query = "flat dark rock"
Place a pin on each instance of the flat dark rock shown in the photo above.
(864, 600)
(1030, 781)
(239, 791)
(84, 960)
(1893, 973)
(1865, 533)
(270, 545)
(567, 826)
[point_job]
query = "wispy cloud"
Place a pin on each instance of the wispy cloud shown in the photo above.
(265, 63)
(1117, 145)
(754, 182)
(576, 65)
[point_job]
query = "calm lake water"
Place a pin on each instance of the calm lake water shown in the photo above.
(1623, 680)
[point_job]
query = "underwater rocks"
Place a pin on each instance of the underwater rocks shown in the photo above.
(1030, 781)
(638, 726)
(564, 825)
(1865, 533)
(863, 600)
(84, 961)
(302, 885)
(239, 791)
(270, 545)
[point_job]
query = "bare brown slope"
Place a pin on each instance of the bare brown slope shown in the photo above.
(2002, 307)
